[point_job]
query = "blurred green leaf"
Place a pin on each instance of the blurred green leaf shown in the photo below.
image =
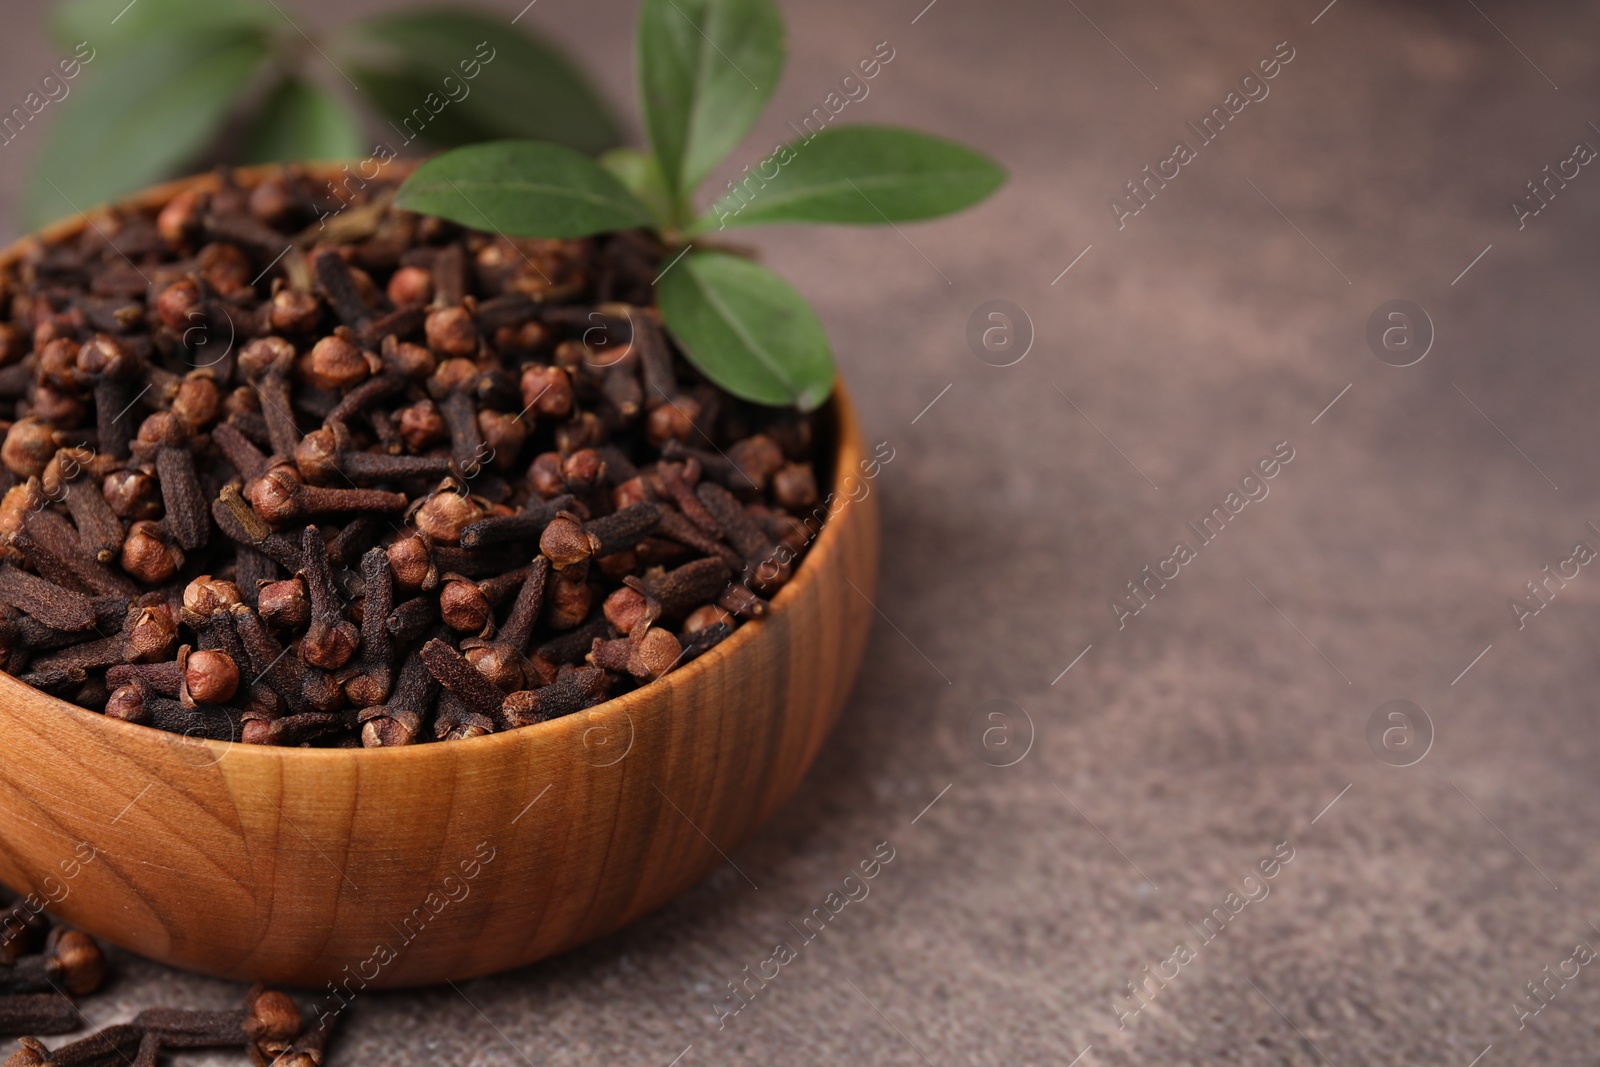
(502, 82)
(641, 174)
(141, 114)
(111, 23)
(302, 121)
(747, 329)
(859, 174)
(523, 189)
(706, 69)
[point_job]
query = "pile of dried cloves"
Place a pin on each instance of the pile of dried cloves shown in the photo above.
(289, 466)
(42, 967)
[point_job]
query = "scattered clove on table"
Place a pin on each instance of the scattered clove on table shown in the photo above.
(43, 967)
(267, 1028)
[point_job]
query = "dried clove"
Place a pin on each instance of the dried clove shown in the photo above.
(339, 286)
(569, 541)
(298, 729)
(744, 534)
(99, 529)
(331, 639)
(266, 362)
(185, 503)
(268, 1021)
(678, 591)
(503, 660)
(240, 451)
(463, 681)
(371, 686)
(646, 652)
(325, 454)
(580, 689)
(279, 496)
(268, 660)
(523, 527)
(400, 721)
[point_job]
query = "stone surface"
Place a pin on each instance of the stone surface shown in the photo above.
(1224, 719)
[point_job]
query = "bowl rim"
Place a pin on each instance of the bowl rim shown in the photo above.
(847, 450)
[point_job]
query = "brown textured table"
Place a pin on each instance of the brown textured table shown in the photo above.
(1230, 716)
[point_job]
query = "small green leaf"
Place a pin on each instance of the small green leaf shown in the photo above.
(747, 329)
(112, 23)
(858, 174)
(524, 189)
(641, 173)
(706, 69)
(143, 114)
(456, 77)
(301, 121)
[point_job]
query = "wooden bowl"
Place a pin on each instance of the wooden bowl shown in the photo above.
(406, 866)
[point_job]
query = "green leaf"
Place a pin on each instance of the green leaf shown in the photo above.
(456, 77)
(858, 174)
(641, 174)
(747, 329)
(301, 121)
(706, 70)
(141, 115)
(524, 189)
(108, 24)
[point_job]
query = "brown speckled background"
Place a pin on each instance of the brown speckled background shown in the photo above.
(1226, 717)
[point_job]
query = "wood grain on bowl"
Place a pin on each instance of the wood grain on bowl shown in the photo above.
(394, 867)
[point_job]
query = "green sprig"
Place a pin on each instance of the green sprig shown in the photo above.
(706, 69)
